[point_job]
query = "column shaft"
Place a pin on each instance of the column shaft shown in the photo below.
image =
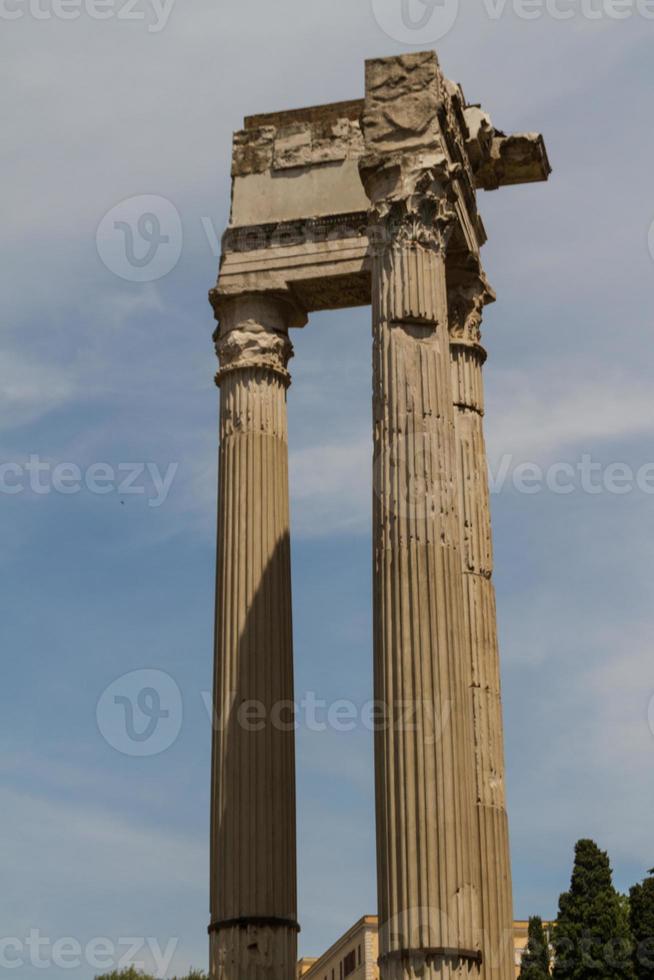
(253, 861)
(427, 899)
(480, 632)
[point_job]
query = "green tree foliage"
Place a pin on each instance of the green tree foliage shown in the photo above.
(642, 926)
(536, 958)
(592, 939)
(130, 973)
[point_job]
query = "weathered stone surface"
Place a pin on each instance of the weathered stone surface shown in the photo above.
(370, 201)
(298, 170)
(293, 147)
(306, 145)
(402, 99)
(466, 300)
(250, 345)
(322, 135)
(520, 159)
(413, 200)
(317, 115)
(480, 135)
(427, 884)
(253, 864)
(253, 151)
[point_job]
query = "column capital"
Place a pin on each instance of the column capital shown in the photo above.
(467, 296)
(412, 199)
(252, 333)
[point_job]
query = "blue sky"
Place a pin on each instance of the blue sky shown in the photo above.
(96, 369)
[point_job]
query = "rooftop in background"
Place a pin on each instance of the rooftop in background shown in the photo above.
(355, 954)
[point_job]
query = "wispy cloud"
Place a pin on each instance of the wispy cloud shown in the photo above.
(541, 415)
(331, 488)
(30, 388)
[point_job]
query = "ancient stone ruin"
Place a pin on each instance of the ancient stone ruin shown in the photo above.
(370, 202)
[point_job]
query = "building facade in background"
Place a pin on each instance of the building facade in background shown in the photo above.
(354, 956)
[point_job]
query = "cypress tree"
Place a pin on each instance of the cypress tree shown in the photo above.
(536, 958)
(642, 926)
(592, 939)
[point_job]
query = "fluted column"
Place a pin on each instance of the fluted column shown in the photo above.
(466, 300)
(253, 862)
(423, 750)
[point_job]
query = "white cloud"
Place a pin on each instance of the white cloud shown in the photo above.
(532, 418)
(74, 845)
(546, 414)
(79, 871)
(331, 488)
(30, 388)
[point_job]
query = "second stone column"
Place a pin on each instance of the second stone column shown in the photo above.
(423, 751)
(468, 293)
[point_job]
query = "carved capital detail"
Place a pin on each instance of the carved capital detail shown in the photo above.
(253, 332)
(251, 346)
(412, 200)
(466, 298)
(466, 301)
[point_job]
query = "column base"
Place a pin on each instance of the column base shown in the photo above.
(430, 963)
(249, 949)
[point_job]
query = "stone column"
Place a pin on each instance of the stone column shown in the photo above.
(467, 298)
(253, 861)
(423, 748)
